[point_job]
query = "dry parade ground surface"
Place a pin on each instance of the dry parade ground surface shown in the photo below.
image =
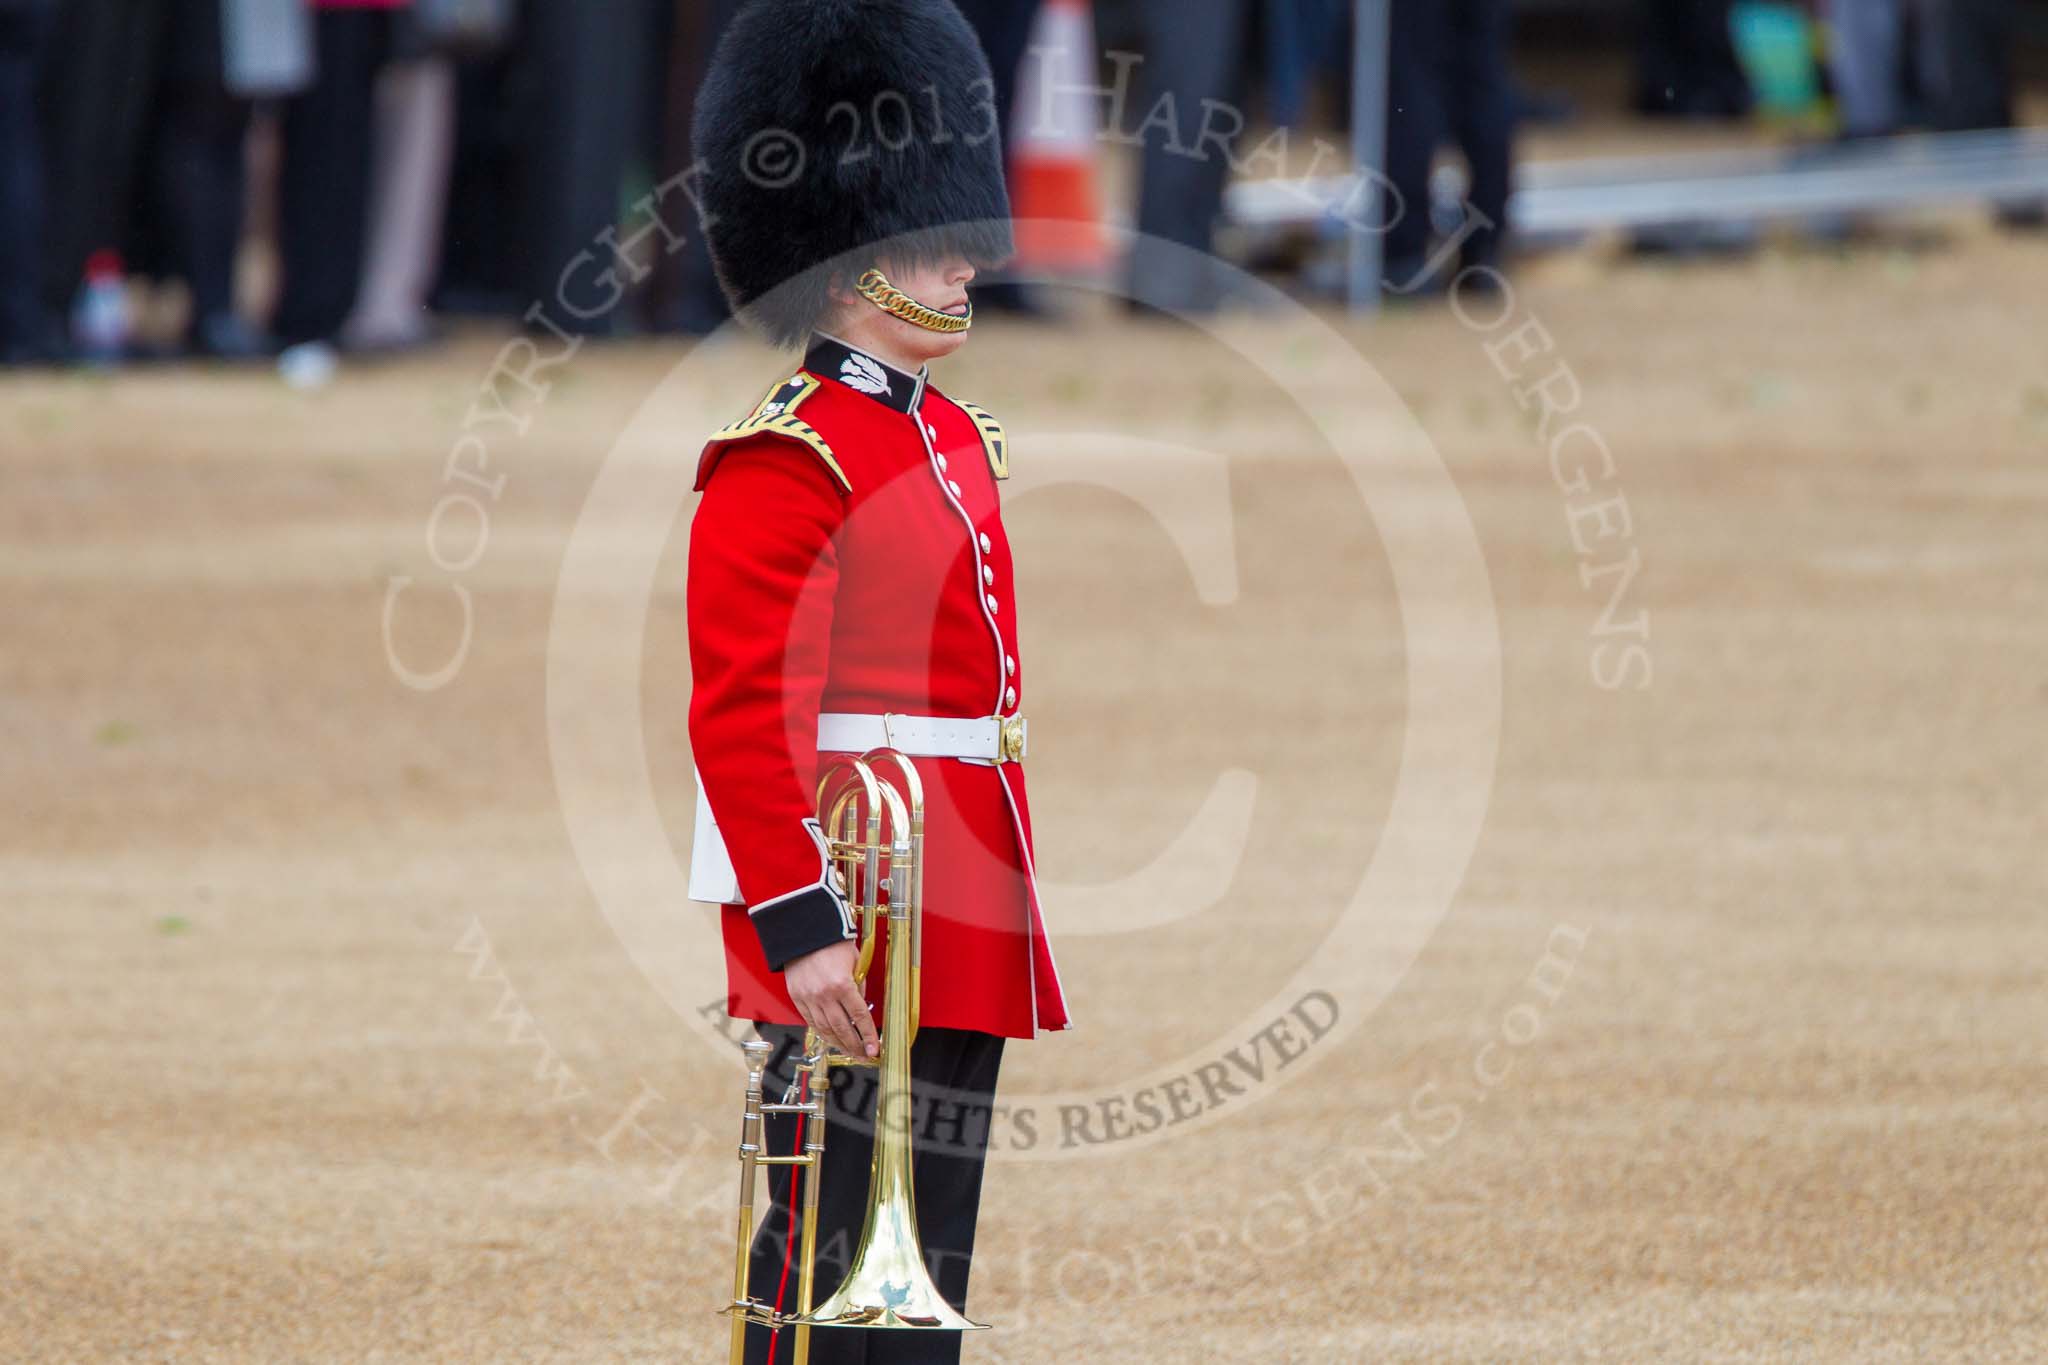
(1510, 913)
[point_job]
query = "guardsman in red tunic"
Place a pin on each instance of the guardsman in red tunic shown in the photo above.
(851, 588)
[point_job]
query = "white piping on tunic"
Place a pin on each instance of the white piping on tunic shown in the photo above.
(1040, 933)
(973, 540)
(1002, 682)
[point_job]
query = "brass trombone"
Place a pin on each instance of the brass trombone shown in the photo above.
(874, 832)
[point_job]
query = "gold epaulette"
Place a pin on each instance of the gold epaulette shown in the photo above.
(775, 415)
(992, 439)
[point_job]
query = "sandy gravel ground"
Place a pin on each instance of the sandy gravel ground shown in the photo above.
(320, 1045)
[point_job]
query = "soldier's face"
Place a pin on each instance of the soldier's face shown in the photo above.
(941, 285)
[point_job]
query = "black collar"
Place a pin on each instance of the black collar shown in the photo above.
(861, 372)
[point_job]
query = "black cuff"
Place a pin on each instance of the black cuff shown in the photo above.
(793, 925)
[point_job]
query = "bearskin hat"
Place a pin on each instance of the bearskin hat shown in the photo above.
(828, 128)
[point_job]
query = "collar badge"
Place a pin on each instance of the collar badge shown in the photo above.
(859, 372)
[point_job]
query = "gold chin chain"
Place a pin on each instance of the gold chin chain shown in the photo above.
(876, 289)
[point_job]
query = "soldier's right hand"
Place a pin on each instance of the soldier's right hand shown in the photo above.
(822, 986)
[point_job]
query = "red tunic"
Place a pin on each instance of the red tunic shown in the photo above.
(848, 555)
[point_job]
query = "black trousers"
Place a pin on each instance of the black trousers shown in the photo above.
(1193, 52)
(687, 296)
(195, 179)
(21, 185)
(1975, 43)
(1688, 67)
(953, 1080)
(1448, 81)
(1004, 27)
(197, 182)
(324, 178)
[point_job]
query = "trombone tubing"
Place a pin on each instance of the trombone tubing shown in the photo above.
(857, 852)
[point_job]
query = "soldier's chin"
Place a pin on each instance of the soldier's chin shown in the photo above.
(931, 345)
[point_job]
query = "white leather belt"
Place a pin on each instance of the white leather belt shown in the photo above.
(983, 739)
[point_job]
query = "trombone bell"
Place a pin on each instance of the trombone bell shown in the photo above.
(888, 1286)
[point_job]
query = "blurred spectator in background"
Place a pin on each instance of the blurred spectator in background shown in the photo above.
(476, 253)
(143, 158)
(1688, 67)
(1004, 27)
(576, 129)
(96, 81)
(1866, 40)
(544, 137)
(201, 130)
(24, 333)
(324, 177)
(1957, 54)
(1304, 39)
(1448, 81)
(686, 297)
(414, 118)
(367, 155)
(1973, 42)
(1193, 52)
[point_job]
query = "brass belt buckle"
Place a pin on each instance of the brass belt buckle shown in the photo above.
(1012, 740)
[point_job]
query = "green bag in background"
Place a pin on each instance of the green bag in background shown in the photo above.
(1776, 44)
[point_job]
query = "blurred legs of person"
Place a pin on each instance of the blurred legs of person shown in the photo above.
(415, 140)
(578, 128)
(1004, 27)
(1448, 81)
(545, 132)
(24, 334)
(199, 193)
(324, 178)
(97, 77)
(687, 296)
(1889, 63)
(1483, 120)
(1863, 61)
(1303, 39)
(1974, 41)
(197, 178)
(1193, 53)
(1418, 121)
(1688, 67)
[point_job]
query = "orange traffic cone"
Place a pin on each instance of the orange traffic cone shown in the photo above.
(1053, 191)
